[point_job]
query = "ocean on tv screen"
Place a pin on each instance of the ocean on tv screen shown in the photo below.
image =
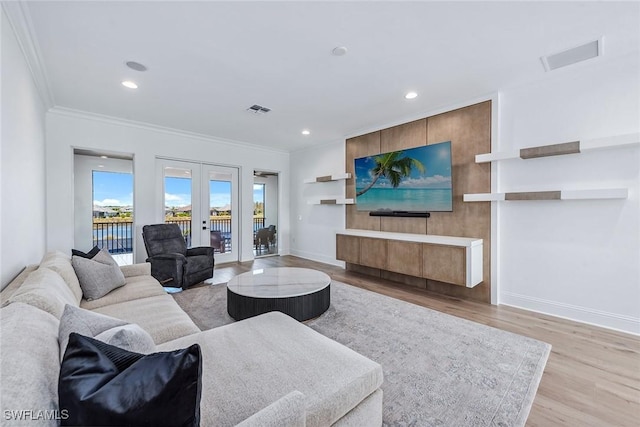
(406, 199)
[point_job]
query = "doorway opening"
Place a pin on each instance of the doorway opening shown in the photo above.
(265, 213)
(103, 208)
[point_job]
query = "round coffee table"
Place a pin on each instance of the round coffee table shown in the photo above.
(301, 293)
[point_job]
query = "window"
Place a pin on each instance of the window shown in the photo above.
(258, 206)
(177, 200)
(113, 211)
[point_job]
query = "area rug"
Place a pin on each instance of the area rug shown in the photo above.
(439, 370)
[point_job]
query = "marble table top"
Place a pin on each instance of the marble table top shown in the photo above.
(279, 282)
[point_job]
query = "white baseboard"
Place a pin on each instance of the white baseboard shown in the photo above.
(576, 313)
(316, 257)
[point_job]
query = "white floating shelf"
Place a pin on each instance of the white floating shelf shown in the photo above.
(329, 201)
(593, 194)
(605, 193)
(625, 140)
(328, 178)
(483, 197)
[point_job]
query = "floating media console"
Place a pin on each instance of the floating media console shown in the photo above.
(407, 214)
(449, 259)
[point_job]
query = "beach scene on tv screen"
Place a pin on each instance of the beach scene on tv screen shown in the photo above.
(414, 180)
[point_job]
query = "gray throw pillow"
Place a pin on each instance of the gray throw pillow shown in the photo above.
(46, 290)
(99, 275)
(110, 330)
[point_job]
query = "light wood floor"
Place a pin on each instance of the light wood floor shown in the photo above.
(592, 377)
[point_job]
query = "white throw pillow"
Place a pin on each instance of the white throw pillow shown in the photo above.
(99, 275)
(110, 330)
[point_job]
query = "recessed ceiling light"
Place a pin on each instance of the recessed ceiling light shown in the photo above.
(129, 84)
(411, 95)
(100, 166)
(339, 51)
(103, 157)
(306, 132)
(135, 66)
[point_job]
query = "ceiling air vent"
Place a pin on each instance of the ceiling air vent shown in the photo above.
(572, 56)
(258, 109)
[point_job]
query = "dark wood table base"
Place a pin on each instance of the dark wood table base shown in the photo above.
(301, 308)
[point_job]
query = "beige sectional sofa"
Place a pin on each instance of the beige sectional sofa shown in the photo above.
(269, 370)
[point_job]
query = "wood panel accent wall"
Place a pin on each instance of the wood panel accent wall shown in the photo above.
(360, 146)
(412, 134)
(469, 130)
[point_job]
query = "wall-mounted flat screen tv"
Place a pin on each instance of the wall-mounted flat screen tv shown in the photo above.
(411, 180)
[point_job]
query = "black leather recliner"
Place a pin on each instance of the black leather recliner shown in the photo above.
(172, 264)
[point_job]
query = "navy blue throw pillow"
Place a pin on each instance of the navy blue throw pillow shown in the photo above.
(104, 385)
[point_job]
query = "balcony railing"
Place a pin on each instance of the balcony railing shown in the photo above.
(258, 223)
(117, 236)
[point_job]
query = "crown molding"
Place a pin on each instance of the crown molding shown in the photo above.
(103, 118)
(20, 21)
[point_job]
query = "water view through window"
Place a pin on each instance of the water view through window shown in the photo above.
(113, 211)
(179, 206)
(177, 200)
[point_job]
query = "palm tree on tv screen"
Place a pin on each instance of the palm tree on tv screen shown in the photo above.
(393, 167)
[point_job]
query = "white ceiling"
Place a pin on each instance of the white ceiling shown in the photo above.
(209, 61)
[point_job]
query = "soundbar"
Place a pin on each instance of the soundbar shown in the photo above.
(409, 214)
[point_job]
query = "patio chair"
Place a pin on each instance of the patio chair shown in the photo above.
(261, 239)
(272, 234)
(218, 241)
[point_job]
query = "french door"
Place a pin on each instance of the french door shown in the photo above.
(220, 215)
(203, 200)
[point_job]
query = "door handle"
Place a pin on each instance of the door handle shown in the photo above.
(204, 228)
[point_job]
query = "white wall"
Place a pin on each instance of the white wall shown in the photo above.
(313, 227)
(68, 130)
(576, 259)
(22, 176)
